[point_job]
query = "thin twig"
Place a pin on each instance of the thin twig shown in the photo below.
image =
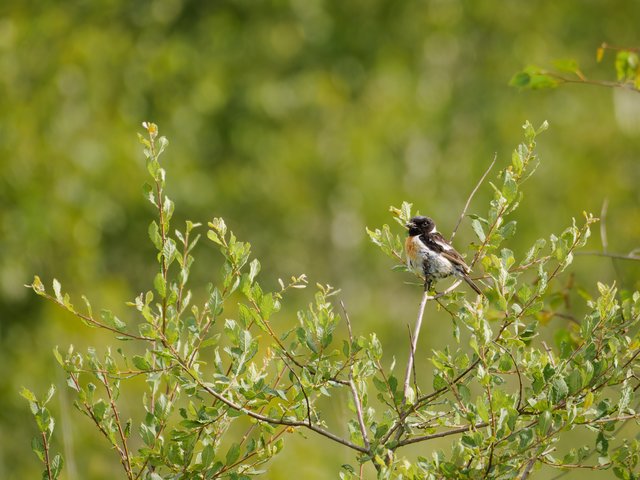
(47, 460)
(352, 384)
(528, 468)
(358, 403)
(415, 378)
(304, 393)
(126, 457)
(620, 256)
(414, 344)
(473, 192)
(549, 354)
(446, 433)
(453, 286)
(348, 322)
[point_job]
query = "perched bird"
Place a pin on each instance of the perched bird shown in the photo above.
(431, 256)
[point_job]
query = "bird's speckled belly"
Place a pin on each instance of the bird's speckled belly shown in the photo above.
(437, 266)
(423, 261)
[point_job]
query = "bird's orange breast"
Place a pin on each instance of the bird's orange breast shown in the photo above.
(412, 250)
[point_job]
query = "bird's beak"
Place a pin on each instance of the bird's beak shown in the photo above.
(409, 224)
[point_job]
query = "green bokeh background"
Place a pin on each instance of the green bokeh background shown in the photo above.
(299, 122)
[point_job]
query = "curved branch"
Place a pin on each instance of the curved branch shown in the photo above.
(473, 192)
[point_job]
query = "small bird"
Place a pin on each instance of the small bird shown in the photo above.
(431, 256)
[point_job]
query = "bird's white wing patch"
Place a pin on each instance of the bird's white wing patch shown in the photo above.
(445, 246)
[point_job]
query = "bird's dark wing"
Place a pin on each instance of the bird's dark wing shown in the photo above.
(438, 244)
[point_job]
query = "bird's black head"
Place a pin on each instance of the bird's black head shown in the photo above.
(419, 225)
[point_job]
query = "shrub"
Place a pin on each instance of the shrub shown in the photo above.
(224, 387)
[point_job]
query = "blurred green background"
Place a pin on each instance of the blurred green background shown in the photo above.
(299, 122)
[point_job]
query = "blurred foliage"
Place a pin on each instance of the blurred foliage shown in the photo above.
(627, 70)
(298, 121)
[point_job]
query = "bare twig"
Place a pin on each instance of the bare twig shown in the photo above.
(352, 384)
(348, 322)
(126, 457)
(415, 378)
(47, 460)
(528, 468)
(621, 256)
(473, 192)
(549, 354)
(453, 286)
(304, 393)
(358, 403)
(414, 344)
(446, 433)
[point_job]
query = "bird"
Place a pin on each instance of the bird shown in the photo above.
(430, 256)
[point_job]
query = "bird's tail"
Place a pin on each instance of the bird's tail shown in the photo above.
(472, 285)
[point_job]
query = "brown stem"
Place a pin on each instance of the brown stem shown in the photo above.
(473, 192)
(414, 344)
(47, 461)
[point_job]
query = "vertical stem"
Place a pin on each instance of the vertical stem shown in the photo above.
(47, 460)
(163, 260)
(414, 343)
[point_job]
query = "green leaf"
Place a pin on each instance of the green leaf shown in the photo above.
(141, 363)
(28, 395)
(559, 390)
(111, 320)
(37, 285)
(38, 447)
(154, 235)
(233, 454)
(602, 444)
(208, 455)
(508, 229)
(477, 228)
(268, 305)
(167, 209)
(509, 187)
(160, 285)
(574, 381)
(545, 420)
(533, 78)
(49, 396)
(56, 466)
(525, 437)
(148, 434)
(567, 65)
(469, 441)
(254, 269)
(56, 290)
(149, 193)
(162, 145)
(520, 80)
(99, 409)
(626, 65)
(58, 356)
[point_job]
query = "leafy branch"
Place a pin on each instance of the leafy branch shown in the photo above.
(626, 65)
